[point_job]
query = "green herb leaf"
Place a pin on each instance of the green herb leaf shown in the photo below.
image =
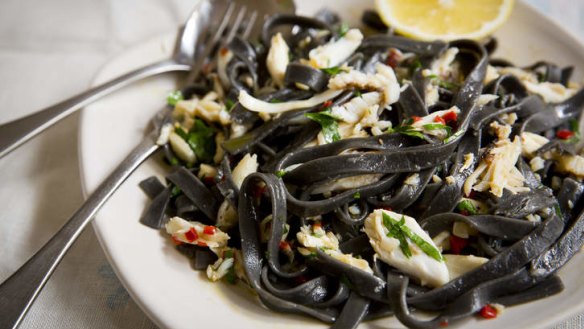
(357, 195)
(408, 130)
(400, 231)
(201, 140)
(436, 126)
(416, 64)
(280, 173)
(443, 83)
(333, 70)
(174, 97)
(575, 128)
(467, 206)
(229, 104)
(343, 29)
(454, 136)
(328, 123)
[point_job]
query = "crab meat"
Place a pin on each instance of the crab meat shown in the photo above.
(428, 270)
(336, 52)
(194, 233)
(181, 148)
(497, 170)
(277, 59)
(315, 237)
(384, 81)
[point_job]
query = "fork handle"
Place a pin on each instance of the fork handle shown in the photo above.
(15, 133)
(19, 291)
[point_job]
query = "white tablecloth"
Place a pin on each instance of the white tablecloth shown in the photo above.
(50, 50)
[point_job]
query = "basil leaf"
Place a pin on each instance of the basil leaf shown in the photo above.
(333, 70)
(328, 123)
(400, 231)
(343, 29)
(436, 126)
(467, 206)
(201, 139)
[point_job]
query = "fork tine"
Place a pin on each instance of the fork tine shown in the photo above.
(236, 25)
(250, 24)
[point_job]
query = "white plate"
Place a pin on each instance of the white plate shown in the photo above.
(161, 280)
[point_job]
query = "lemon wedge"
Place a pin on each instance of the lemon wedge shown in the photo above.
(444, 19)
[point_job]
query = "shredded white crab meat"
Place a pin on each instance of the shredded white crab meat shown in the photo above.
(246, 166)
(428, 270)
(207, 108)
(313, 237)
(550, 92)
(337, 51)
(226, 216)
(165, 132)
(180, 230)
(383, 81)
(277, 59)
(565, 163)
(220, 268)
(497, 170)
(443, 68)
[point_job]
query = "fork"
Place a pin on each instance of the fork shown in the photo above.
(19, 291)
(15, 133)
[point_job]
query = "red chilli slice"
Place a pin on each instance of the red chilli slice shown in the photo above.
(191, 235)
(416, 118)
(326, 104)
(457, 244)
(209, 230)
(450, 116)
(564, 134)
(439, 119)
(488, 312)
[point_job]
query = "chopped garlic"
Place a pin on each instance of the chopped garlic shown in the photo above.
(277, 59)
(420, 265)
(460, 264)
(336, 52)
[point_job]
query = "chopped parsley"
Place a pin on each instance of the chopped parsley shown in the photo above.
(333, 70)
(328, 123)
(408, 130)
(357, 195)
(443, 83)
(575, 128)
(401, 232)
(280, 173)
(229, 104)
(174, 97)
(467, 206)
(201, 139)
(343, 29)
(436, 126)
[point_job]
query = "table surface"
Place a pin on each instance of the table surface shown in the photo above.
(50, 50)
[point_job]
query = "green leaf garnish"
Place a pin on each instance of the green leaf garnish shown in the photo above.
(467, 206)
(400, 231)
(436, 126)
(333, 70)
(229, 104)
(357, 195)
(407, 130)
(328, 123)
(443, 83)
(201, 139)
(280, 173)
(343, 29)
(575, 128)
(174, 97)
(453, 136)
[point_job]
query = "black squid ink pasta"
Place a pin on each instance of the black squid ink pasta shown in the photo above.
(349, 176)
